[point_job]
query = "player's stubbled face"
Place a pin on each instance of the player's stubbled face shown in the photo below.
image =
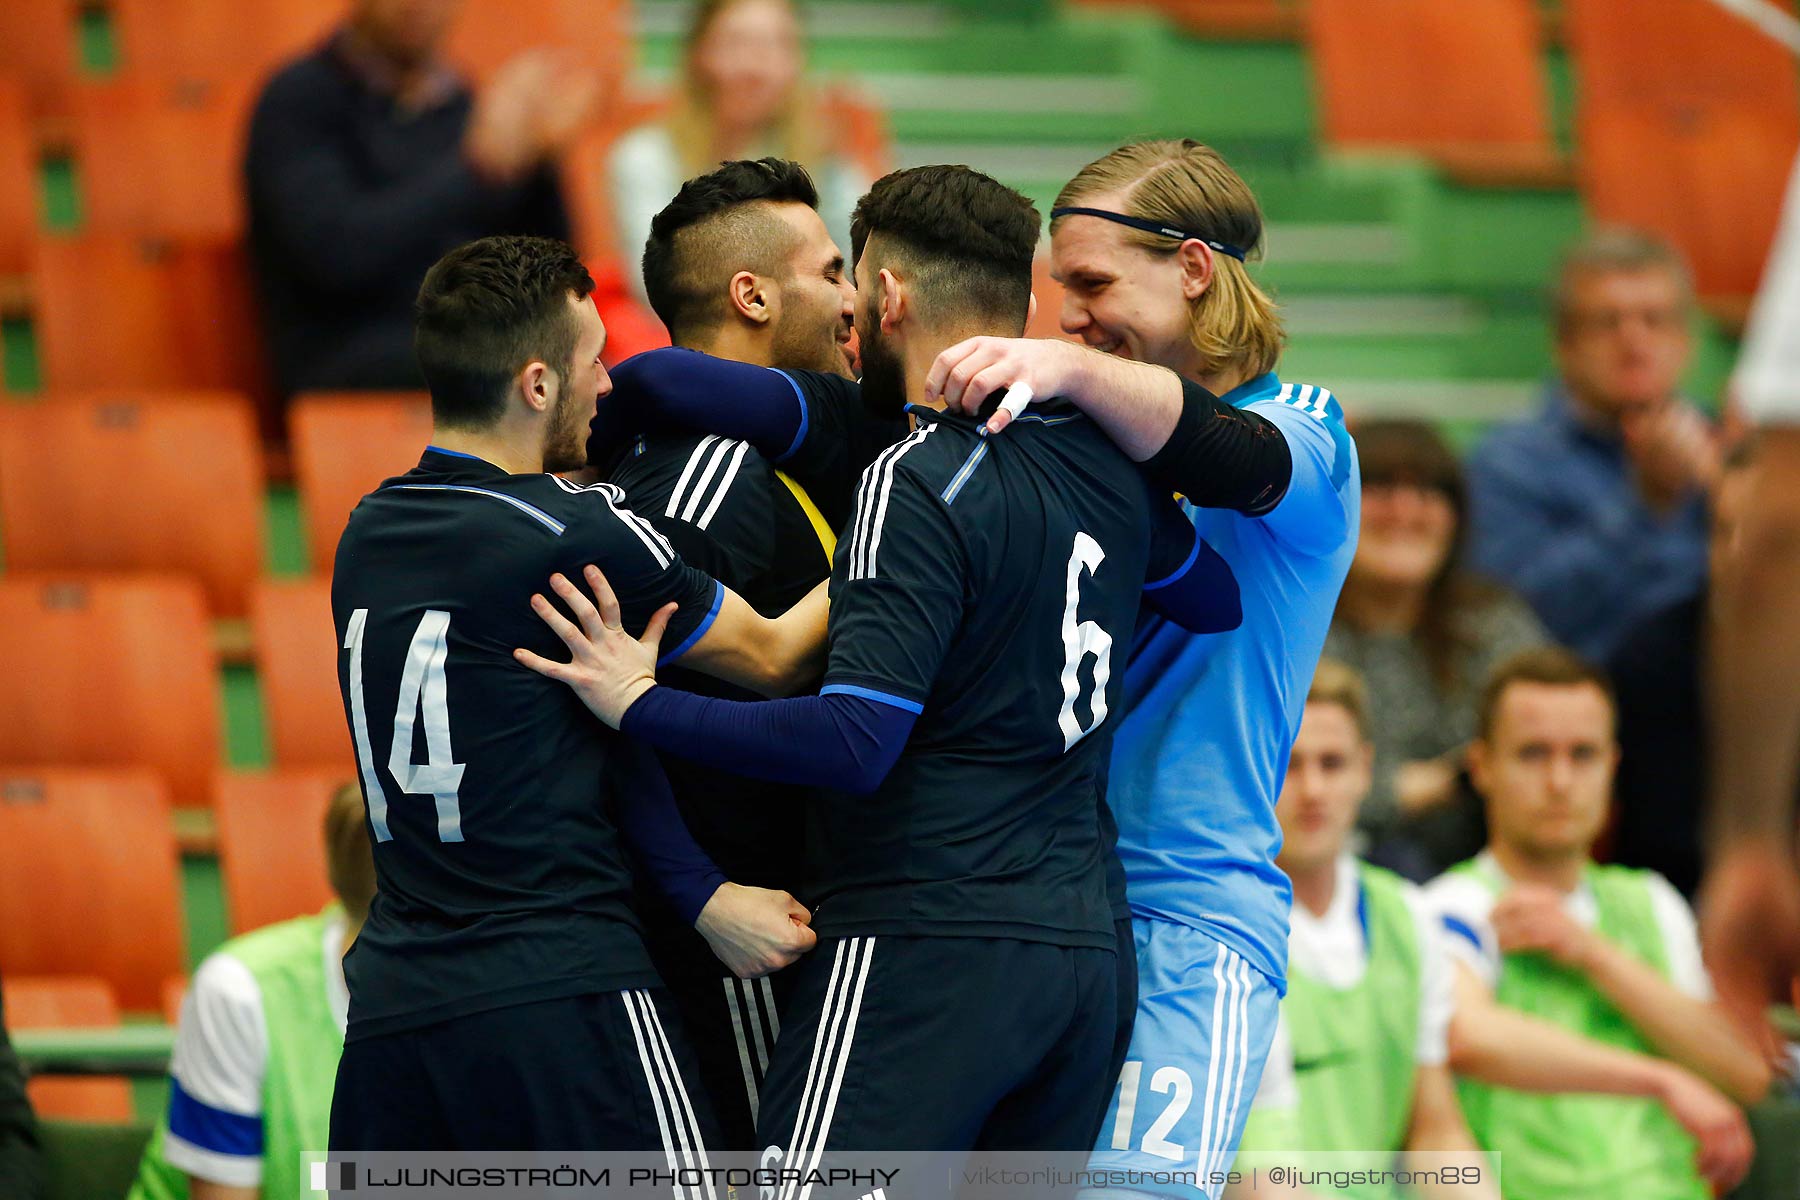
(1119, 297)
(1547, 771)
(1329, 773)
(883, 371)
(818, 303)
(566, 434)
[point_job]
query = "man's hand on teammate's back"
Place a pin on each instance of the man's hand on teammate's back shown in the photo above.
(969, 372)
(610, 669)
(755, 931)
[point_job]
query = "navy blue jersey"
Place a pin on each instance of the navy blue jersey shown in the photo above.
(727, 512)
(838, 437)
(990, 585)
(500, 878)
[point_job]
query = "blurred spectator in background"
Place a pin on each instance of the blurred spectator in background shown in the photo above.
(1424, 634)
(1595, 509)
(1659, 671)
(21, 1163)
(1751, 900)
(741, 95)
(1369, 989)
(257, 1045)
(368, 159)
(1609, 953)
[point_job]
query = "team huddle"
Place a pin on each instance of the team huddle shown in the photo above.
(797, 744)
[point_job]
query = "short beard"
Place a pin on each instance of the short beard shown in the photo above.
(813, 349)
(565, 442)
(883, 377)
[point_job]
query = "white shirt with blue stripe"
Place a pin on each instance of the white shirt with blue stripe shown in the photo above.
(1209, 720)
(220, 1056)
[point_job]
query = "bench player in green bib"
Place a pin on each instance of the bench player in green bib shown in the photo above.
(1607, 953)
(257, 1046)
(1369, 999)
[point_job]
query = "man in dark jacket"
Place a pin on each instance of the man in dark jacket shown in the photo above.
(368, 158)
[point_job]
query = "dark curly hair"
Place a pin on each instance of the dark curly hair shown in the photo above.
(968, 239)
(485, 310)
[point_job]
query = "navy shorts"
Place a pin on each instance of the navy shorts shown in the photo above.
(607, 1071)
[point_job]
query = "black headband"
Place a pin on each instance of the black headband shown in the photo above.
(1155, 227)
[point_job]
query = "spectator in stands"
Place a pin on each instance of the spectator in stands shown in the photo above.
(1595, 509)
(257, 1046)
(368, 159)
(21, 1161)
(1659, 670)
(1423, 633)
(741, 96)
(1369, 995)
(1608, 953)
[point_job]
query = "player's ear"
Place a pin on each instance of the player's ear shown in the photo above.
(1031, 310)
(1477, 758)
(749, 298)
(537, 385)
(893, 301)
(1196, 260)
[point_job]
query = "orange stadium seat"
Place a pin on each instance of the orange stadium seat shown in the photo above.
(271, 842)
(90, 855)
(215, 39)
(69, 1002)
(345, 444)
(121, 485)
(296, 664)
(18, 180)
(488, 33)
(1713, 104)
(1460, 82)
(1678, 53)
(1715, 193)
(162, 158)
(109, 672)
(174, 991)
(113, 310)
(37, 45)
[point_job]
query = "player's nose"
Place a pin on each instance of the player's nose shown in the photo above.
(1074, 315)
(603, 386)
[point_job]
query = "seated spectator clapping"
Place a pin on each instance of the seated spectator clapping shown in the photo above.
(368, 159)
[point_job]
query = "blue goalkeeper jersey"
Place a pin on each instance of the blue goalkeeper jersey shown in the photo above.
(1210, 720)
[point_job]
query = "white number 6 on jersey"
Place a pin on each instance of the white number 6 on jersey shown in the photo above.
(1079, 641)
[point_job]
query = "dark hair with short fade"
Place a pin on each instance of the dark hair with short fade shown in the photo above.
(1550, 666)
(485, 310)
(968, 239)
(709, 232)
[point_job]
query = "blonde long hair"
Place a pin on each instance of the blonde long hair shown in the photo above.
(1185, 185)
(798, 132)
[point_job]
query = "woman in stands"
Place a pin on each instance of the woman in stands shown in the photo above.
(742, 95)
(1424, 634)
